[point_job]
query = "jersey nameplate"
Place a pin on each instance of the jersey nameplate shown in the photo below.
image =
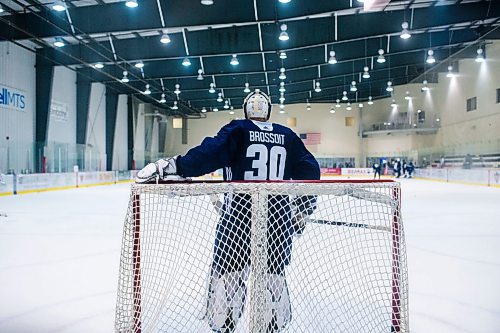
(256, 136)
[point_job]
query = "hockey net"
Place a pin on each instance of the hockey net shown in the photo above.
(195, 253)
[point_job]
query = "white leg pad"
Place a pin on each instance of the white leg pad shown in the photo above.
(279, 300)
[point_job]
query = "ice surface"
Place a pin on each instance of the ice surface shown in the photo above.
(59, 257)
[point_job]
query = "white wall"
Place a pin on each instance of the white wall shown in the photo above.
(17, 73)
(96, 126)
(121, 143)
(62, 120)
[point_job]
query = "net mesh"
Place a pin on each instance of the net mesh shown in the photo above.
(263, 257)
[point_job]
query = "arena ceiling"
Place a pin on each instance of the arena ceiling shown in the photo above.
(110, 33)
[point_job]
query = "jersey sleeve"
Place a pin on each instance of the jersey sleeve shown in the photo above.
(305, 166)
(213, 153)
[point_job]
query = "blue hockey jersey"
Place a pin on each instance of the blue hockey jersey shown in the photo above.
(251, 150)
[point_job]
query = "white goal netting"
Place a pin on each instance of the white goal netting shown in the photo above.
(326, 256)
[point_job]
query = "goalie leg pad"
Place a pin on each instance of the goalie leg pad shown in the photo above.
(279, 312)
(226, 300)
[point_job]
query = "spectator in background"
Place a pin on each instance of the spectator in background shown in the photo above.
(405, 171)
(441, 162)
(376, 170)
(410, 168)
(397, 168)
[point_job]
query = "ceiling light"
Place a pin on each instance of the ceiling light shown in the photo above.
(219, 98)
(58, 6)
(139, 64)
(204, 109)
(200, 74)
(389, 87)
(348, 107)
(282, 87)
(438, 119)
(1, 9)
(332, 60)
(480, 55)
(177, 90)
(186, 62)
(450, 73)
(175, 107)
(353, 86)
(147, 91)
(407, 96)
(232, 110)
(282, 99)
(308, 106)
(59, 42)
(332, 110)
(318, 88)
(370, 102)
(430, 57)
(226, 104)
(247, 88)
(234, 60)
(215, 110)
(99, 65)
(360, 105)
(212, 88)
(393, 104)
(165, 38)
(131, 3)
(285, 1)
(425, 87)
(163, 100)
(380, 58)
(405, 34)
(125, 77)
(284, 35)
(344, 98)
(282, 75)
(282, 108)
(207, 2)
(366, 74)
(337, 105)
(282, 55)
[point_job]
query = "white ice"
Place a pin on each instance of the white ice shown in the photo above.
(59, 257)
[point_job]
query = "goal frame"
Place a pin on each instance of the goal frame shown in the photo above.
(395, 235)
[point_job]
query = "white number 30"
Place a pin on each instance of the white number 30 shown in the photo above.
(274, 159)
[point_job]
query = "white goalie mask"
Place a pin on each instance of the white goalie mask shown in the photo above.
(257, 105)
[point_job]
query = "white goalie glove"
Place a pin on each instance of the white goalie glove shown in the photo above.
(164, 169)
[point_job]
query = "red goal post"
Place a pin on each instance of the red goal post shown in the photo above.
(347, 270)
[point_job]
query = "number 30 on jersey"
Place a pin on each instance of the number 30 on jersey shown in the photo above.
(266, 164)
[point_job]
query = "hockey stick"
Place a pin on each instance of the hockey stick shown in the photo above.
(350, 224)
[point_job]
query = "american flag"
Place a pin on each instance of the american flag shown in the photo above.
(310, 138)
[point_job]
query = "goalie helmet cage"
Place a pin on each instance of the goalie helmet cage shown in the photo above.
(345, 270)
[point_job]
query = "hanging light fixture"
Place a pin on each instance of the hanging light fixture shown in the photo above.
(283, 55)
(366, 74)
(207, 2)
(204, 109)
(215, 110)
(1, 9)
(370, 102)
(282, 98)
(284, 35)
(332, 60)
(389, 87)
(450, 73)
(353, 86)
(125, 77)
(405, 33)
(59, 42)
(308, 106)
(348, 107)
(247, 88)
(337, 105)
(425, 87)
(58, 6)
(282, 75)
(232, 110)
(163, 100)
(407, 96)
(344, 97)
(285, 1)
(480, 55)
(234, 60)
(131, 3)
(318, 87)
(360, 105)
(147, 91)
(186, 62)
(212, 88)
(430, 57)
(380, 58)
(226, 104)
(393, 104)
(282, 108)
(165, 39)
(200, 75)
(175, 107)
(332, 109)
(219, 97)
(282, 87)
(139, 64)
(99, 65)
(177, 90)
